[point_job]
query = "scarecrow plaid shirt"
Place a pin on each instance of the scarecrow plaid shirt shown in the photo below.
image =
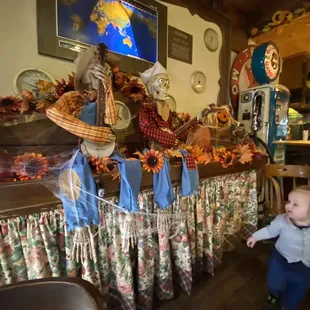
(190, 162)
(155, 128)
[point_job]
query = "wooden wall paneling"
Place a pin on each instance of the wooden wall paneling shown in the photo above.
(40, 132)
(239, 39)
(293, 66)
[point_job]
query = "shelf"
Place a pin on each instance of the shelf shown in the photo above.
(293, 142)
(29, 197)
(300, 107)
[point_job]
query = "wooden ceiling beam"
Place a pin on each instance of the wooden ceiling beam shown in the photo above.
(267, 11)
(243, 14)
(291, 38)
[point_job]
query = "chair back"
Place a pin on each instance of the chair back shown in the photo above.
(51, 294)
(275, 189)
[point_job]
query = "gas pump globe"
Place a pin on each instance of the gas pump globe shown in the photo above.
(263, 110)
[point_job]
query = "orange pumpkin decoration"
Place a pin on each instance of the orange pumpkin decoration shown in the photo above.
(223, 117)
(201, 137)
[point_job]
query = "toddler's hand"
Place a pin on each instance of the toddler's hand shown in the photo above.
(251, 242)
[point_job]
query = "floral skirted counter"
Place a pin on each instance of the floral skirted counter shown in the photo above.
(39, 245)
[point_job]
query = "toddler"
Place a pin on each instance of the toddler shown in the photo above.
(289, 267)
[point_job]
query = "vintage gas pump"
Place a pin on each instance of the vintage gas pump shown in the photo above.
(263, 110)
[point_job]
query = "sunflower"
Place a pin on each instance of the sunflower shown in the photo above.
(151, 160)
(30, 166)
(134, 91)
(9, 104)
(63, 86)
(227, 159)
(278, 17)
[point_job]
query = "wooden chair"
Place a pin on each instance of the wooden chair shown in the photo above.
(276, 189)
(51, 294)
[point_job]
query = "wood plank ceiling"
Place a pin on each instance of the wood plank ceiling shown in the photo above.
(244, 14)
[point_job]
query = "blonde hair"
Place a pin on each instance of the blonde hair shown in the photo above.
(302, 188)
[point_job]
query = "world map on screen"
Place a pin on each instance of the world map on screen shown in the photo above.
(123, 27)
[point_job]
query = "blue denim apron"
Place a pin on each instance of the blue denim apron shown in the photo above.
(83, 211)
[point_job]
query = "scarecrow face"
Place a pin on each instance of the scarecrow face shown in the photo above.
(223, 116)
(158, 86)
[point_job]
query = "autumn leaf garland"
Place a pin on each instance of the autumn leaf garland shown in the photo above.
(151, 161)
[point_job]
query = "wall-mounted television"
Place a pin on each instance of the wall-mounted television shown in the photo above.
(136, 31)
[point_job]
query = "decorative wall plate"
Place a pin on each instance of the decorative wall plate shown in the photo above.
(27, 79)
(199, 81)
(241, 77)
(123, 116)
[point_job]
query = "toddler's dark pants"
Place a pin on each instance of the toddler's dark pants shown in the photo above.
(288, 281)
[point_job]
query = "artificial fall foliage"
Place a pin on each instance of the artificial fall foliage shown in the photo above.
(45, 87)
(28, 95)
(120, 78)
(105, 165)
(64, 86)
(182, 117)
(204, 158)
(130, 87)
(173, 153)
(135, 91)
(151, 161)
(244, 153)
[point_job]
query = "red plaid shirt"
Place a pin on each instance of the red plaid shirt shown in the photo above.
(151, 122)
(190, 162)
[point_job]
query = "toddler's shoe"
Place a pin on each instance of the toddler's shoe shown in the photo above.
(273, 303)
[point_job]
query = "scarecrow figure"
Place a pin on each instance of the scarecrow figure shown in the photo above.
(155, 118)
(75, 111)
